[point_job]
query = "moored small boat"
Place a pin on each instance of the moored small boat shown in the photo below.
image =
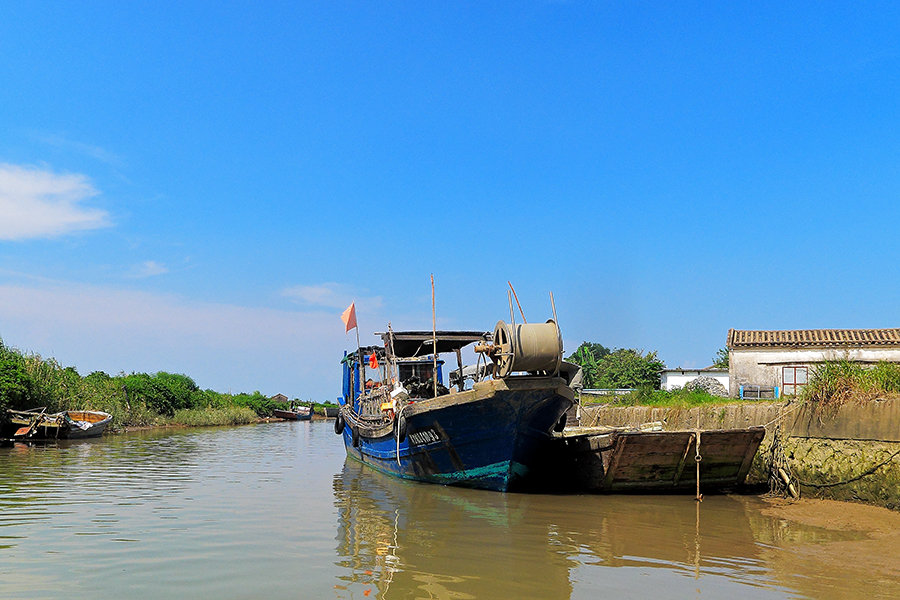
(298, 413)
(37, 424)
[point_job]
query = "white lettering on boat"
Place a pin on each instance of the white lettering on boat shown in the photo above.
(424, 436)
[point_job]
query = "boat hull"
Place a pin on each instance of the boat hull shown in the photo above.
(486, 438)
(66, 425)
(290, 415)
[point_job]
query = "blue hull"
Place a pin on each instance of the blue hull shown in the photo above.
(488, 438)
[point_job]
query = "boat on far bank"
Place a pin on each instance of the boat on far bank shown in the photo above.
(37, 424)
(298, 413)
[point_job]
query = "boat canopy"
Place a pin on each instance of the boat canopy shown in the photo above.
(353, 356)
(410, 344)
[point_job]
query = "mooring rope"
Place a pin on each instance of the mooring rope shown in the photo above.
(866, 473)
(697, 459)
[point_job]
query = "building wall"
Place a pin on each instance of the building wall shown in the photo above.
(672, 378)
(763, 366)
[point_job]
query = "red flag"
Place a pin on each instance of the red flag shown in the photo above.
(373, 361)
(349, 317)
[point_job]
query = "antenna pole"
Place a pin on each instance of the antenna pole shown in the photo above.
(433, 338)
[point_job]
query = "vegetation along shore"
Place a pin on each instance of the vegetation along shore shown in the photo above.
(134, 400)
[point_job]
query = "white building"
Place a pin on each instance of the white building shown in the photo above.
(671, 379)
(785, 359)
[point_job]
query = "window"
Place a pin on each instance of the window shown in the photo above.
(793, 379)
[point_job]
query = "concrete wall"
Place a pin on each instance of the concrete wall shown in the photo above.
(851, 452)
(678, 378)
(761, 366)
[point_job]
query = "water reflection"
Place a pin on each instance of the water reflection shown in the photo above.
(274, 511)
(406, 540)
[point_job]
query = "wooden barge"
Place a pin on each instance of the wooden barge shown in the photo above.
(647, 459)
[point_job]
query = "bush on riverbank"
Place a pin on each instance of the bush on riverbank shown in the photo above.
(138, 399)
(836, 382)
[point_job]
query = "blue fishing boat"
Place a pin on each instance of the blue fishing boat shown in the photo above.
(485, 431)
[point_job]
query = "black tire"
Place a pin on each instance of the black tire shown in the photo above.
(561, 424)
(400, 428)
(354, 436)
(339, 424)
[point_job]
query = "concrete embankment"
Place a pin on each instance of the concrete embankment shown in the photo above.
(851, 452)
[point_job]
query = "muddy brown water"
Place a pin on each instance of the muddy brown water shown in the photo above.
(275, 511)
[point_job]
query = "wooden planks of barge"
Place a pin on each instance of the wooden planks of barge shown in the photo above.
(603, 459)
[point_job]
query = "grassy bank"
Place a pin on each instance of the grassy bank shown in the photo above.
(136, 399)
(835, 382)
(659, 398)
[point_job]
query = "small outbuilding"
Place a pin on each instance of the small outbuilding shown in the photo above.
(279, 398)
(784, 360)
(671, 379)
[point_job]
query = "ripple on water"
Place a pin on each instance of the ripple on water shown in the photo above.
(275, 511)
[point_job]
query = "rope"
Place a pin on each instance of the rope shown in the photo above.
(852, 479)
(781, 480)
(697, 459)
(397, 434)
(781, 415)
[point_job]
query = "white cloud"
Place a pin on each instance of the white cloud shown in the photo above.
(330, 295)
(96, 152)
(148, 268)
(37, 203)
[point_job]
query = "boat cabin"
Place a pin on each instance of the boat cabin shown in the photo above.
(408, 358)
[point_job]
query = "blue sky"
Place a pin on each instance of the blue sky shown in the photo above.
(203, 187)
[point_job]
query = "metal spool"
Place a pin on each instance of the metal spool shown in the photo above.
(530, 347)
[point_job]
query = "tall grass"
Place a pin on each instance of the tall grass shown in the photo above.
(201, 417)
(647, 396)
(840, 381)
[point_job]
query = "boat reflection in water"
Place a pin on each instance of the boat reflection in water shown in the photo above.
(399, 539)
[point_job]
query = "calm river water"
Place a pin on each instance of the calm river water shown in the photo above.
(275, 511)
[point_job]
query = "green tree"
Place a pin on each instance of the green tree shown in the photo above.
(720, 360)
(629, 368)
(598, 351)
(15, 385)
(620, 368)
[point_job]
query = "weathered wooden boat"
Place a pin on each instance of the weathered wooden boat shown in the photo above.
(298, 413)
(647, 459)
(487, 435)
(37, 424)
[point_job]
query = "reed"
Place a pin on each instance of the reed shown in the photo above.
(207, 416)
(835, 382)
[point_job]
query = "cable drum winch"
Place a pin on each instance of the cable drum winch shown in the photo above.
(526, 347)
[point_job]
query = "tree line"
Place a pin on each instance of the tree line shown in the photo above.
(29, 381)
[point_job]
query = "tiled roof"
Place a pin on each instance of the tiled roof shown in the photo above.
(818, 338)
